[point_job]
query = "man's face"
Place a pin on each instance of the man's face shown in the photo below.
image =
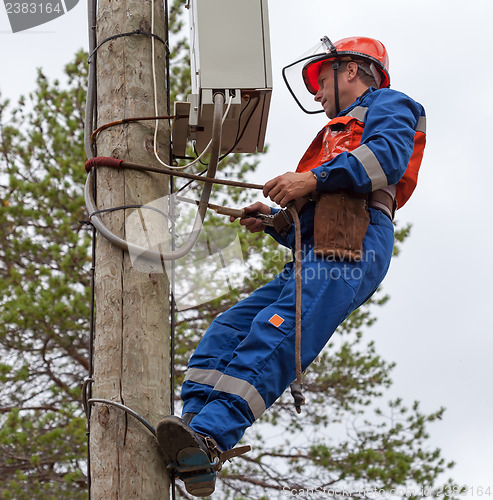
(325, 95)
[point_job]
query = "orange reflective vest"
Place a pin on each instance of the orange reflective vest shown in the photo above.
(345, 133)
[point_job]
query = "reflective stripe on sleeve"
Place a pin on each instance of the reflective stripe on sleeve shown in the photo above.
(372, 166)
(359, 112)
(421, 127)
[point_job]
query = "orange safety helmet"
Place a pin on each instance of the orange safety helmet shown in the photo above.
(350, 49)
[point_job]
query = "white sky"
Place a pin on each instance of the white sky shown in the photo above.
(435, 326)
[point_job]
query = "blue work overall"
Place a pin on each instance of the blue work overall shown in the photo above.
(246, 359)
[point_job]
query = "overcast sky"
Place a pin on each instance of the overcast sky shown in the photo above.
(435, 326)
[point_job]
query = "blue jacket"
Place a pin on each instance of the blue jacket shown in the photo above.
(389, 130)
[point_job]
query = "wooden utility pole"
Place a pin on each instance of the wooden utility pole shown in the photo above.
(131, 348)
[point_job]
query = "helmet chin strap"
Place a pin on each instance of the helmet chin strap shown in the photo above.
(335, 67)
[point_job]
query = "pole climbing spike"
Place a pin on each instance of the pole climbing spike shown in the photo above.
(194, 458)
(188, 455)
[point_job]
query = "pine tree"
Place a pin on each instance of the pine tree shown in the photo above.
(44, 283)
(343, 443)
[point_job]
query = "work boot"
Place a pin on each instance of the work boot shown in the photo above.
(194, 458)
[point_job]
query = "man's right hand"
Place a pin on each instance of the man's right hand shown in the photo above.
(252, 224)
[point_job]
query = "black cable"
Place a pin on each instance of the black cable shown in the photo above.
(238, 136)
(172, 305)
(197, 155)
(172, 323)
(190, 182)
(171, 210)
(237, 140)
(126, 409)
(91, 115)
(130, 33)
(167, 58)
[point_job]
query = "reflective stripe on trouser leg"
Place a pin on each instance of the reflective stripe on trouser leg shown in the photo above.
(230, 385)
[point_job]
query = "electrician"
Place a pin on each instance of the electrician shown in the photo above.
(359, 168)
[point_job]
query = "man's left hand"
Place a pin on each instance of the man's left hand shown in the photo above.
(289, 186)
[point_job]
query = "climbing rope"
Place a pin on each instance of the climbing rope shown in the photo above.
(297, 386)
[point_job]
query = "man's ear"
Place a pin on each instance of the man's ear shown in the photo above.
(352, 70)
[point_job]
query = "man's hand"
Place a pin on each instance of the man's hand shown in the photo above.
(253, 224)
(289, 186)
